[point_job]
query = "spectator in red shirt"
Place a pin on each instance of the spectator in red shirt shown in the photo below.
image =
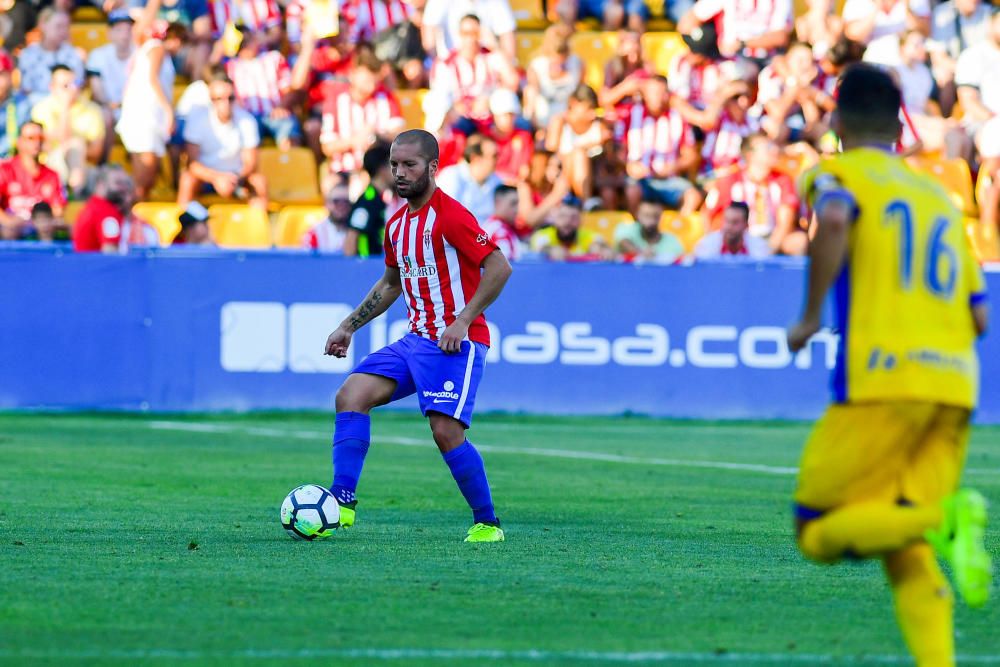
(501, 225)
(25, 181)
(768, 193)
(321, 62)
(660, 150)
(101, 225)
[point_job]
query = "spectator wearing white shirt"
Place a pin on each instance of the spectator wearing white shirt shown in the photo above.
(107, 66)
(733, 240)
(440, 30)
(222, 147)
(473, 180)
(36, 61)
(878, 23)
(754, 29)
(956, 25)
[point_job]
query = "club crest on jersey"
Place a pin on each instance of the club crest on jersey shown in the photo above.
(411, 270)
(427, 239)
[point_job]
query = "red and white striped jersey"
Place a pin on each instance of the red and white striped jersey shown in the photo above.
(370, 17)
(742, 20)
(344, 117)
(764, 199)
(722, 145)
(504, 237)
(695, 83)
(467, 80)
(257, 15)
(908, 138)
(655, 140)
(326, 237)
(260, 82)
(439, 251)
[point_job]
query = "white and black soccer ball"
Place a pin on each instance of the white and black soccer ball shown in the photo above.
(310, 512)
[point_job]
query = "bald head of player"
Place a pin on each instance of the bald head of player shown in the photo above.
(867, 113)
(413, 158)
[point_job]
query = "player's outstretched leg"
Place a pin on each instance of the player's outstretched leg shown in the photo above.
(959, 540)
(467, 468)
(865, 530)
(923, 604)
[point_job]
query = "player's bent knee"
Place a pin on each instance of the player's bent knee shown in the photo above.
(448, 432)
(361, 393)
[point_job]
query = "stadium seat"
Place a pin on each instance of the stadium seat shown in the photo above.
(529, 14)
(595, 49)
(984, 240)
(292, 176)
(164, 217)
(603, 223)
(954, 176)
(88, 14)
(661, 48)
(688, 228)
(239, 226)
(528, 44)
(88, 36)
(411, 102)
(294, 222)
(71, 211)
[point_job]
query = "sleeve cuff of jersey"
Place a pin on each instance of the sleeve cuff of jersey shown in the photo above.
(828, 196)
(978, 298)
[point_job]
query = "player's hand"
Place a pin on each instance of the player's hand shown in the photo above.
(799, 334)
(338, 342)
(451, 340)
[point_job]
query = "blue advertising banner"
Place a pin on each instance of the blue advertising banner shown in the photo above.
(189, 331)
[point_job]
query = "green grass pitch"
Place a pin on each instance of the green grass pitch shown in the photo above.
(127, 539)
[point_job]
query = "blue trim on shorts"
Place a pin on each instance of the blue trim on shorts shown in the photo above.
(807, 513)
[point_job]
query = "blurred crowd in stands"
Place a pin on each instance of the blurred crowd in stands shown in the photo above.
(625, 130)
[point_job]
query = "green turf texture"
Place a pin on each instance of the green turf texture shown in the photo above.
(121, 540)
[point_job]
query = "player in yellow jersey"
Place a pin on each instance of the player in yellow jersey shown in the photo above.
(880, 472)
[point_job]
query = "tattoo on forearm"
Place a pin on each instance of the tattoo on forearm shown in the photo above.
(365, 310)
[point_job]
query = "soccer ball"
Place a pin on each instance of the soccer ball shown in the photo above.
(310, 512)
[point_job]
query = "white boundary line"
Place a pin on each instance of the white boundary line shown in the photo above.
(528, 655)
(201, 427)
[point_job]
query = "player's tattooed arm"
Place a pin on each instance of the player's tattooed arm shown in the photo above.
(365, 310)
(382, 295)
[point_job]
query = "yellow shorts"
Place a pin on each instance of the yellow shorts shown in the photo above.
(894, 451)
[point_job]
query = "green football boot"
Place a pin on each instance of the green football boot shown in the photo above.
(959, 541)
(485, 532)
(347, 512)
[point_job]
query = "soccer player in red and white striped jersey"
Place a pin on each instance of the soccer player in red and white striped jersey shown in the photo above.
(261, 16)
(448, 271)
(355, 114)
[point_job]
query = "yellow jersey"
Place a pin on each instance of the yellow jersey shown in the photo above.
(903, 299)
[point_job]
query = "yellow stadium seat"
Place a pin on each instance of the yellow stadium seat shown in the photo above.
(72, 211)
(88, 36)
(984, 240)
(529, 14)
(603, 223)
(292, 176)
(239, 226)
(661, 48)
(88, 14)
(595, 49)
(411, 103)
(688, 228)
(294, 222)
(528, 44)
(954, 175)
(162, 216)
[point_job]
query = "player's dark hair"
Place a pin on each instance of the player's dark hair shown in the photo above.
(474, 146)
(868, 102)
(428, 144)
(502, 190)
(742, 207)
(375, 157)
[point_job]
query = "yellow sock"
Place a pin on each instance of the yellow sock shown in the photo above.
(865, 530)
(923, 605)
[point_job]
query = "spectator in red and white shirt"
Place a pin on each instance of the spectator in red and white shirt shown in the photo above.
(329, 234)
(462, 81)
(623, 75)
(878, 23)
(696, 76)
(792, 91)
(321, 65)
(105, 224)
(262, 81)
(659, 150)
(754, 29)
(356, 114)
(500, 226)
(25, 181)
(724, 138)
(370, 17)
(515, 145)
(732, 240)
(768, 192)
(260, 16)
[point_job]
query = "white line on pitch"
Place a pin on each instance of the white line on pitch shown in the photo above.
(500, 655)
(201, 427)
